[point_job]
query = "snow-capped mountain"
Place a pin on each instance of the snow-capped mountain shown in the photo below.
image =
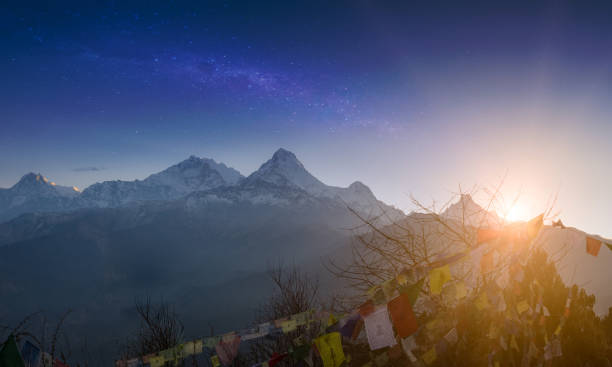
(34, 192)
(284, 169)
(190, 175)
(282, 180)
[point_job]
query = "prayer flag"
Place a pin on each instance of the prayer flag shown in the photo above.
(289, 326)
(522, 307)
(379, 329)
(350, 323)
(408, 344)
(158, 361)
(413, 290)
(513, 343)
(430, 356)
(437, 278)
(30, 354)
(592, 246)
(402, 316)
(366, 308)
(227, 349)
(460, 290)
(482, 302)
(452, 336)
(276, 358)
(377, 295)
(389, 288)
(330, 349)
(215, 361)
(556, 348)
(9, 354)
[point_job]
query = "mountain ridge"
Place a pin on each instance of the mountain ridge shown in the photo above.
(192, 175)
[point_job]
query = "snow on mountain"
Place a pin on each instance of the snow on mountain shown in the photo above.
(467, 211)
(195, 174)
(191, 175)
(34, 192)
(284, 169)
(282, 180)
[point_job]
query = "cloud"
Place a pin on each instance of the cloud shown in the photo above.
(88, 169)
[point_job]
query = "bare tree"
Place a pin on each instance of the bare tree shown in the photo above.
(295, 292)
(379, 253)
(160, 329)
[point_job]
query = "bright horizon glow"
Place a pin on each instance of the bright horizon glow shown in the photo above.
(518, 212)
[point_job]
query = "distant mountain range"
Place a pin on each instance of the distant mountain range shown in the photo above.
(209, 179)
(198, 234)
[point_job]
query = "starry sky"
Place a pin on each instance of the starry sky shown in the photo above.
(409, 97)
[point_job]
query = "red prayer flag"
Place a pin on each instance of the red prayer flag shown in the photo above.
(593, 246)
(366, 308)
(228, 349)
(486, 235)
(357, 329)
(276, 358)
(402, 316)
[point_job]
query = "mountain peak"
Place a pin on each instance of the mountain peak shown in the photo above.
(31, 180)
(284, 155)
(467, 210)
(285, 169)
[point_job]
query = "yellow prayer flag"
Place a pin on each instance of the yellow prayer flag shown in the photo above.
(430, 356)
(215, 361)
(496, 364)
(332, 320)
(460, 290)
(513, 343)
(482, 302)
(437, 278)
(522, 307)
(432, 324)
(558, 330)
(389, 288)
(330, 349)
(158, 361)
(288, 326)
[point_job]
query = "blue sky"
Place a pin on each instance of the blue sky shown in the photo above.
(410, 98)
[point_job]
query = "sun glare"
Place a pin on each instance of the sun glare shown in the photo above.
(516, 213)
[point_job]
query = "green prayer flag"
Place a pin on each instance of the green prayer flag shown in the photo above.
(413, 290)
(9, 354)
